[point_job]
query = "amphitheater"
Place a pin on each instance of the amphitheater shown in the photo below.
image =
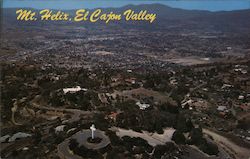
(82, 138)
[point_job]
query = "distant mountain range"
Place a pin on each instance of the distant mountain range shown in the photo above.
(167, 17)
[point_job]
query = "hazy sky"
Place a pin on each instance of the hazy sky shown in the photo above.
(212, 5)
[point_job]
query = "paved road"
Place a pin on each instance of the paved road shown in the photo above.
(7, 148)
(19, 55)
(64, 151)
(230, 147)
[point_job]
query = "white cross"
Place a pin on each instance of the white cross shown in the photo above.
(93, 129)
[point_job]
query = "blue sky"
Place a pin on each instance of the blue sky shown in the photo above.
(211, 5)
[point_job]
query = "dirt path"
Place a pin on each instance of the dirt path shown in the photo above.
(232, 148)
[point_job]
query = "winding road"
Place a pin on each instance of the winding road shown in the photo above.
(75, 113)
(224, 143)
(230, 147)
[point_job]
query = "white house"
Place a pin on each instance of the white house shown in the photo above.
(59, 128)
(142, 105)
(74, 89)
